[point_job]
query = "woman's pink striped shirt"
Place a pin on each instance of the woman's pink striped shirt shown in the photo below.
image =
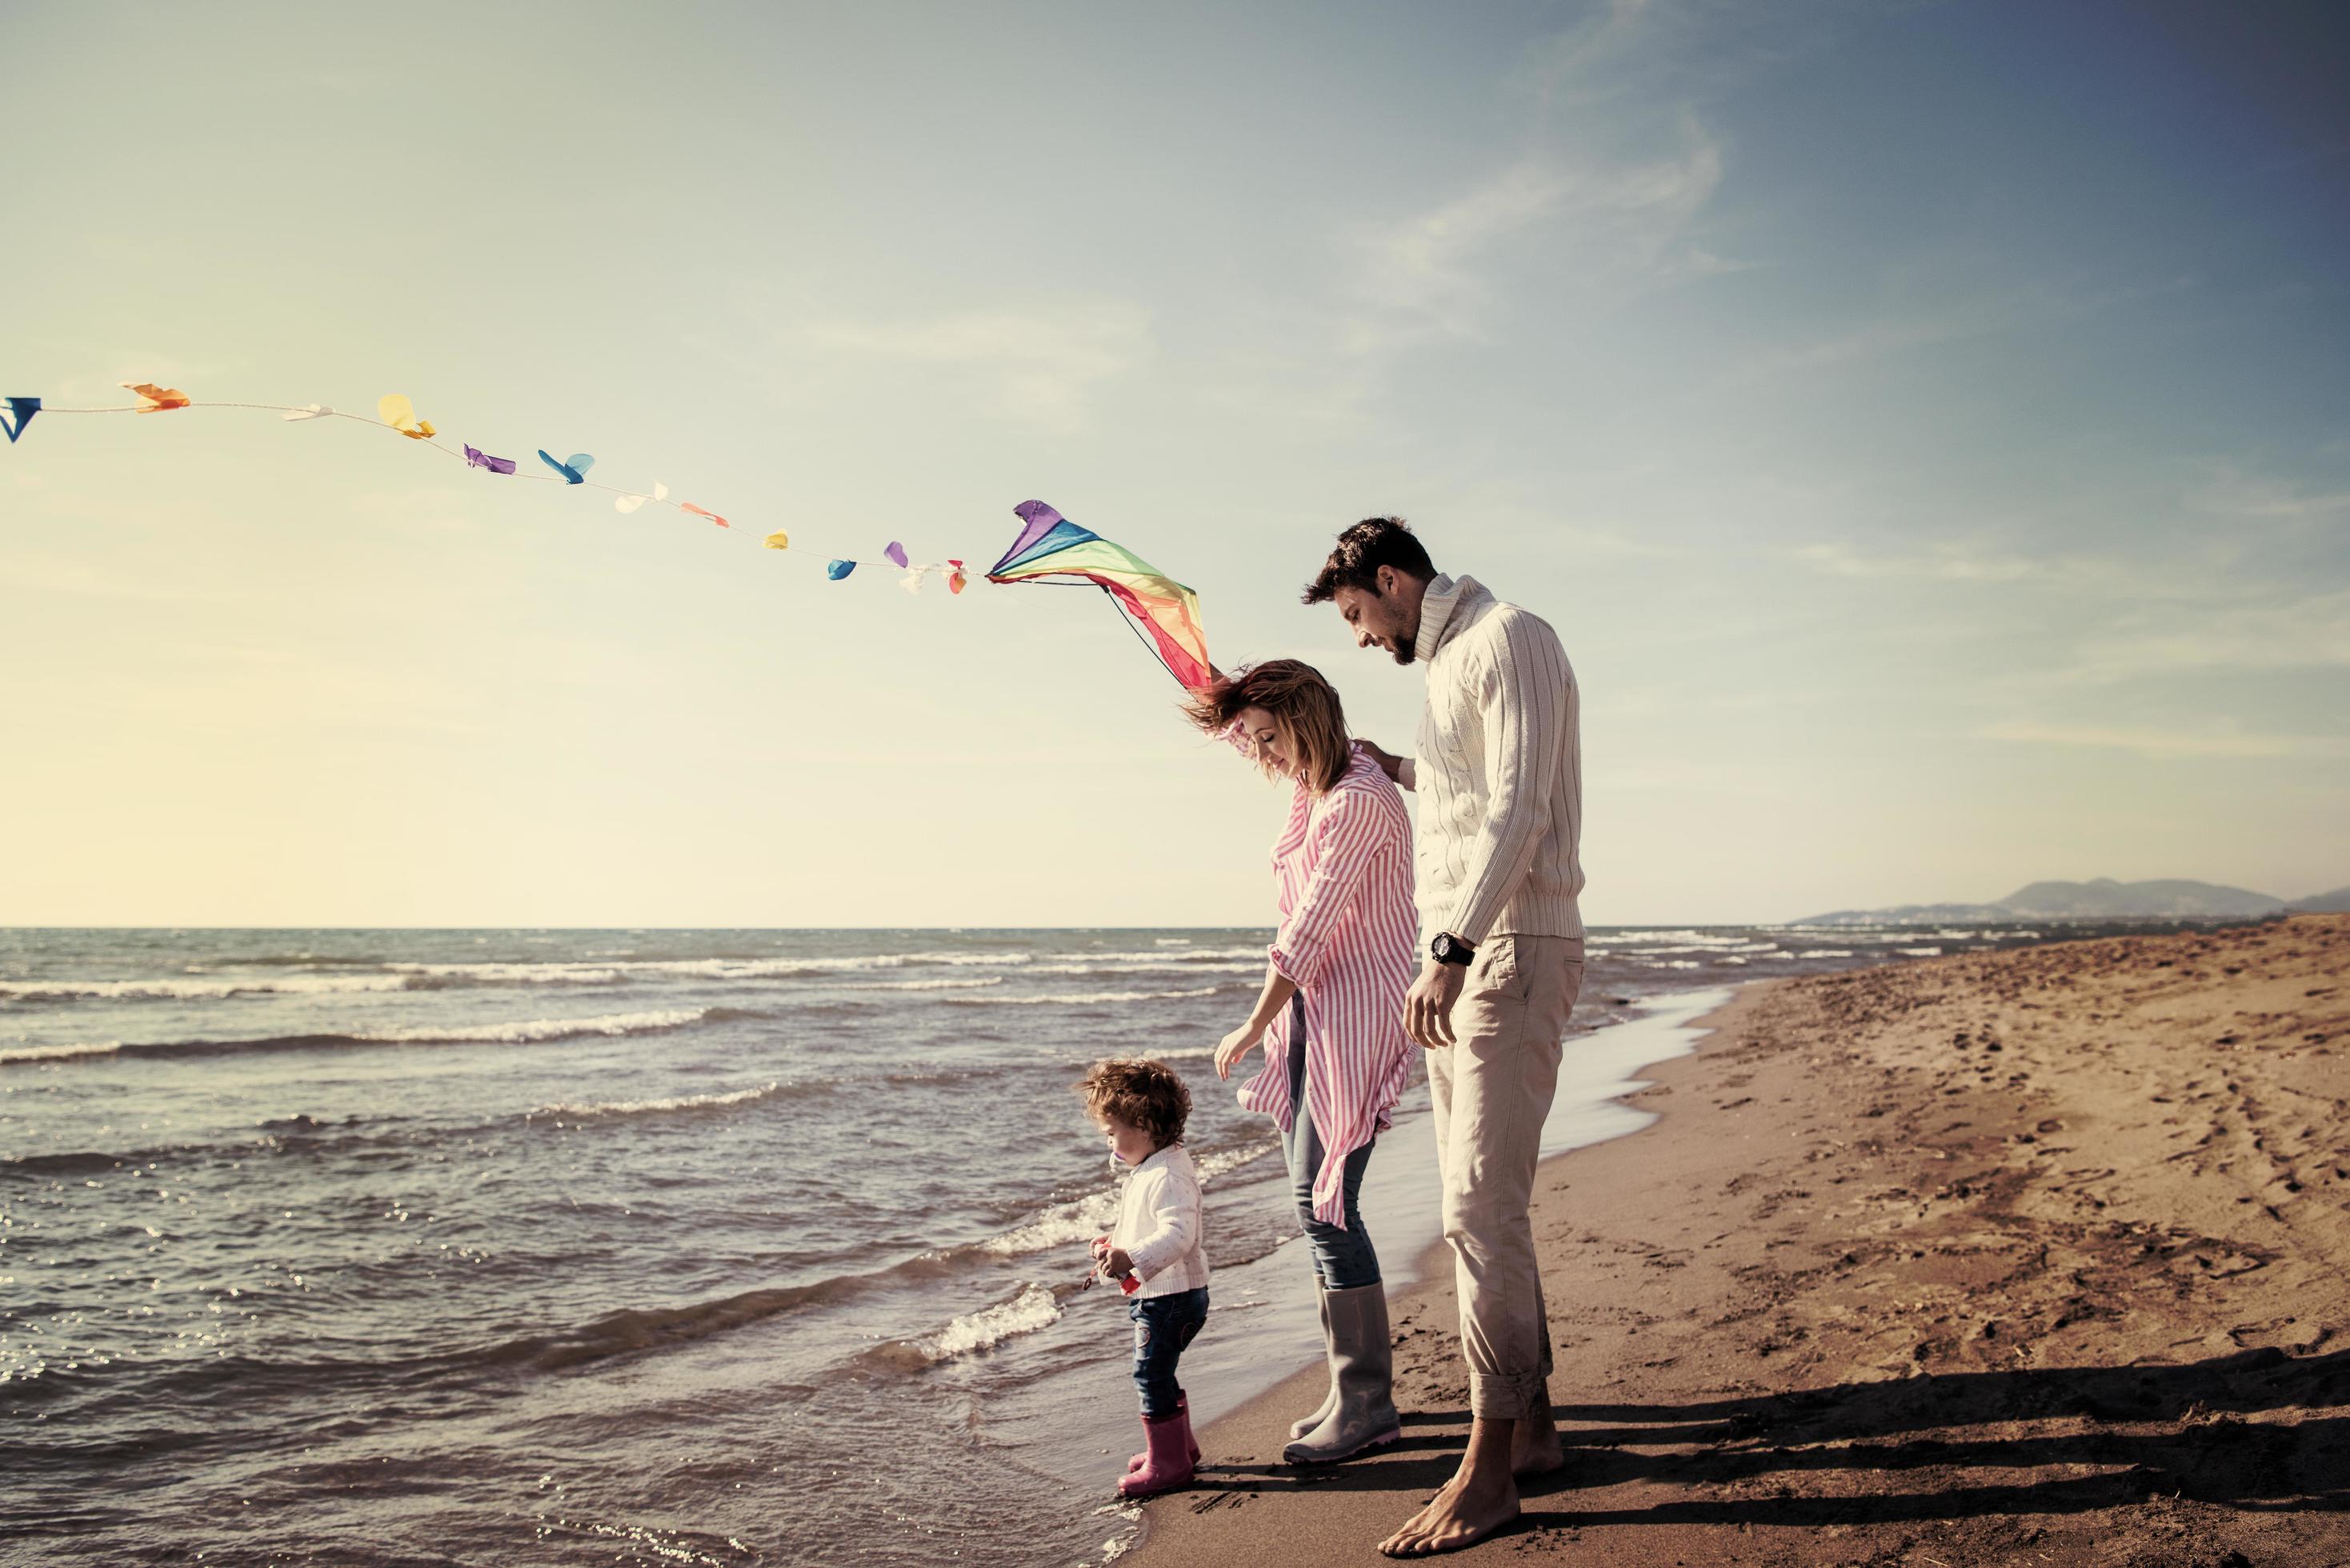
(1349, 937)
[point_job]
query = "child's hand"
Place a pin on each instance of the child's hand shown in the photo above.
(1234, 1046)
(1101, 1245)
(1116, 1263)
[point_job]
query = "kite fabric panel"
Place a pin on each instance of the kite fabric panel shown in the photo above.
(1051, 549)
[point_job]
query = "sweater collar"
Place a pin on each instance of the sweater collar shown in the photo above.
(1440, 612)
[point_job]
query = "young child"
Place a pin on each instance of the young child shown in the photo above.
(1140, 1107)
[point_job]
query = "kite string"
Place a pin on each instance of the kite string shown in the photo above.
(1118, 606)
(362, 419)
(1128, 620)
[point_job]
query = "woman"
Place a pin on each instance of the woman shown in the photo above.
(1330, 1017)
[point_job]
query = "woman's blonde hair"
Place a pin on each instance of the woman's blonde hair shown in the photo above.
(1300, 700)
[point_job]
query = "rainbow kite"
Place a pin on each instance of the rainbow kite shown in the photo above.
(1052, 549)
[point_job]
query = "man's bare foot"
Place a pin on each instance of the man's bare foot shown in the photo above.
(1479, 1500)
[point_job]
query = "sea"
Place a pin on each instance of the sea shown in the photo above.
(659, 1247)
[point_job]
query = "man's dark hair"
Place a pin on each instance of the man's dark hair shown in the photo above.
(1373, 543)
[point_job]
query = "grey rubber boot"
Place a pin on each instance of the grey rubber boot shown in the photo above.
(1330, 1400)
(1362, 1361)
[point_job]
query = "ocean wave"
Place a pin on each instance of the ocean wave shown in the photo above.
(1192, 958)
(531, 1030)
(58, 1053)
(644, 1108)
(1032, 1308)
(454, 976)
(575, 973)
(1685, 934)
(521, 1032)
(1150, 966)
(1920, 952)
(1078, 998)
(1077, 1219)
(928, 984)
(198, 990)
(632, 1329)
(77, 1162)
(1224, 1161)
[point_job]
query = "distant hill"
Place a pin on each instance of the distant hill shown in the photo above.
(2103, 899)
(2338, 902)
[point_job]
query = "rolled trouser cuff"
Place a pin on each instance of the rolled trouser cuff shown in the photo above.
(1506, 1395)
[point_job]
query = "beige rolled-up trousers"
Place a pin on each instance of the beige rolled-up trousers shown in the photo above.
(1492, 1091)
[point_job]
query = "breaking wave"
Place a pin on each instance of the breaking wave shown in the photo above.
(199, 989)
(1074, 998)
(1035, 1307)
(647, 1108)
(530, 1031)
(58, 1053)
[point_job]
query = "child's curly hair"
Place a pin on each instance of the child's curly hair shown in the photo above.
(1141, 1094)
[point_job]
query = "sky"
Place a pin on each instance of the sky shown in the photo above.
(1927, 426)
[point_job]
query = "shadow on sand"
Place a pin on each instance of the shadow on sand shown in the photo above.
(2152, 1431)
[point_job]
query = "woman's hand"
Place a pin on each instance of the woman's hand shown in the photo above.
(1235, 1045)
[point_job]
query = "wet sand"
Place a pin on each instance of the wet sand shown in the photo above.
(2038, 1256)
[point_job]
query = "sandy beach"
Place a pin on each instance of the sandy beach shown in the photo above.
(2037, 1256)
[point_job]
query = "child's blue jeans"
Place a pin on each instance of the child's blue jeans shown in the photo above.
(1163, 1327)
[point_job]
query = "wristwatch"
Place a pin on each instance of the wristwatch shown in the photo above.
(1450, 949)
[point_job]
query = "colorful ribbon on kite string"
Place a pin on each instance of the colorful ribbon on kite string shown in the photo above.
(393, 412)
(895, 553)
(1049, 549)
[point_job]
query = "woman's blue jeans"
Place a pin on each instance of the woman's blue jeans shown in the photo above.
(1163, 1327)
(1343, 1258)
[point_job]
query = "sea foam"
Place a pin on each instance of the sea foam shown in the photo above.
(642, 1108)
(1034, 1308)
(530, 1031)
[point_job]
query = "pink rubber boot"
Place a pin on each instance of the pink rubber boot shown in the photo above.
(1190, 1443)
(1166, 1458)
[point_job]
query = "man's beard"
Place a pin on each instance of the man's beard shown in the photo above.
(1406, 644)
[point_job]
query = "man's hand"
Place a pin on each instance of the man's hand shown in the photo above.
(1235, 1045)
(1428, 1005)
(1389, 763)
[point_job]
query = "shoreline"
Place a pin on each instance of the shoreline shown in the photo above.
(2004, 1257)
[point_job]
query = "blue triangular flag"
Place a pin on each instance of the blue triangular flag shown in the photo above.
(24, 408)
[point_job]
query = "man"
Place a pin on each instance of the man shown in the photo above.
(1497, 770)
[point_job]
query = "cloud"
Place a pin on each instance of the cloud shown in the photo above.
(2231, 493)
(2307, 633)
(2152, 742)
(1421, 281)
(1951, 562)
(1041, 367)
